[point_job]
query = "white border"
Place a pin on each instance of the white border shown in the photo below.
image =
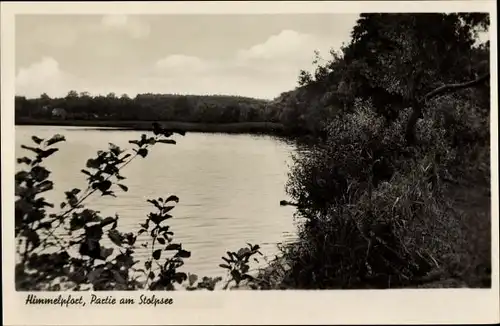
(242, 307)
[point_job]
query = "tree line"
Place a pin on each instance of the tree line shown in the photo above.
(147, 107)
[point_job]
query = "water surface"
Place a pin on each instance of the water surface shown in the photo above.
(229, 187)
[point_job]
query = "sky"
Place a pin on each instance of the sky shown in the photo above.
(248, 55)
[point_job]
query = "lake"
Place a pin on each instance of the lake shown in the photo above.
(229, 187)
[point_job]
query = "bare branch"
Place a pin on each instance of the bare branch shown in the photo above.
(417, 106)
(455, 87)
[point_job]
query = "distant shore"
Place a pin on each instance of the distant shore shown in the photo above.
(239, 127)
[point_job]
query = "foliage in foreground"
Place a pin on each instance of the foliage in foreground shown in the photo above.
(78, 249)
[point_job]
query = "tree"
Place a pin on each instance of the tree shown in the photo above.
(72, 94)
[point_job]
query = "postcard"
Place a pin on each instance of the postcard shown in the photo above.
(249, 162)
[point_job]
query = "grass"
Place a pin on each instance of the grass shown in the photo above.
(462, 246)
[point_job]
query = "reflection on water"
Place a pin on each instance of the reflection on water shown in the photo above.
(229, 187)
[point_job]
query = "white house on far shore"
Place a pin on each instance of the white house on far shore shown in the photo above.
(59, 113)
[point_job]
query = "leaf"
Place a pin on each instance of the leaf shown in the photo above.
(108, 193)
(106, 252)
(183, 253)
(93, 164)
(167, 209)
(110, 168)
(157, 254)
(93, 276)
(86, 172)
(55, 139)
(48, 152)
(125, 157)
(225, 266)
(161, 241)
(33, 149)
(123, 187)
(25, 160)
(45, 185)
(108, 220)
(242, 252)
(39, 173)
(236, 275)
(173, 246)
(180, 277)
(192, 278)
(118, 278)
(37, 140)
(247, 277)
(154, 202)
(157, 129)
(141, 231)
(115, 237)
(172, 198)
(21, 176)
(45, 225)
(115, 149)
(142, 152)
(178, 131)
(164, 228)
(151, 275)
(103, 185)
(43, 203)
(167, 141)
(130, 238)
(91, 248)
(157, 219)
(135, 142)
(145, 225)
(147, 264)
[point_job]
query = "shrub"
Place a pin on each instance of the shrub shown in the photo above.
(376, 211)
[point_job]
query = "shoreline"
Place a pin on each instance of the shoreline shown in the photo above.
(235, 128)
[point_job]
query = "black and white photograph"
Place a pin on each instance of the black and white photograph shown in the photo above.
(251, 152)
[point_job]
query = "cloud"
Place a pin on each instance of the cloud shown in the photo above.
(44, 76)
(276, 46)
(284, 53)
(133, 26)
(288, 48)
(262, 70)
(182, 64)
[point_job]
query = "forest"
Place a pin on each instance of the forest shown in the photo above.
(146, 107)
(395, 191)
